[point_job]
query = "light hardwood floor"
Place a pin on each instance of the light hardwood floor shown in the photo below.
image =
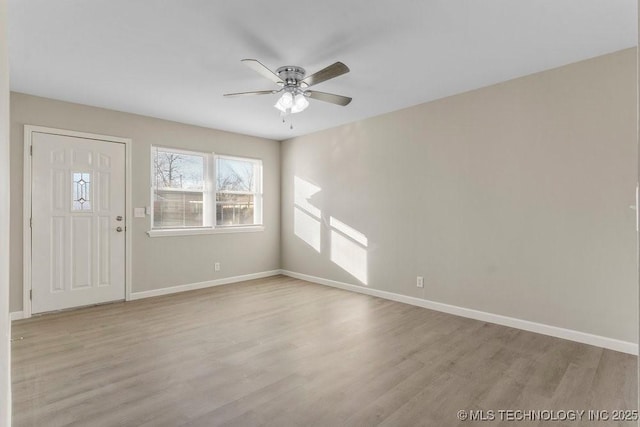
(284, 352)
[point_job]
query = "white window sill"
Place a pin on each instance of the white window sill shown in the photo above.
(211, 230)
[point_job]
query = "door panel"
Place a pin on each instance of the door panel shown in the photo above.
(104, 251)
(81, 256)
(78, 202)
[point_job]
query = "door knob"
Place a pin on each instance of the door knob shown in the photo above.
(119, 229)
(118, 218)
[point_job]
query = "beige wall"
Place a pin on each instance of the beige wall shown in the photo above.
(5, 325)
(161, 261)
(512, 199)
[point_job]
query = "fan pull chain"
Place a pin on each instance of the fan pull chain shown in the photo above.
(285, 122)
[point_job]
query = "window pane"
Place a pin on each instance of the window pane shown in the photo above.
(234, 209)
(179, 180)
(179, 170)
(175, 209)
(235, 175)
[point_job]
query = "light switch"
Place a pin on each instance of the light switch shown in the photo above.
(138, 212)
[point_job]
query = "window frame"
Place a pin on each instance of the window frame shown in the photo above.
(209, 194)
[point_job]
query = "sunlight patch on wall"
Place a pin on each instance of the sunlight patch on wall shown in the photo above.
(307, 228)
(306, 217)
(348, 231)
(303, 191)
(349, 249)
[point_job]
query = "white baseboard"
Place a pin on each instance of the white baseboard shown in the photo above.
(201, 285)
(17, 315)
(554, 331)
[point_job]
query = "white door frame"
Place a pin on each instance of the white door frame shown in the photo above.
(29, 130)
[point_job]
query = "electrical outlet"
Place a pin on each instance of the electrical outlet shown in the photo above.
(420, 282)
(216, 266)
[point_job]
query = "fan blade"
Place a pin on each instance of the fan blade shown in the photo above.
(328, 97)
(258, 92)
(259, 68)
(333, 70)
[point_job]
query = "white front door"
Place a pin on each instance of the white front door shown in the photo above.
(78, 225)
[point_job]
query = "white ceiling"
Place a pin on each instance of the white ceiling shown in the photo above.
(175, 59)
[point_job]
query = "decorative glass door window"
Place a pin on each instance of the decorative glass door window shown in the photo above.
(81, 189)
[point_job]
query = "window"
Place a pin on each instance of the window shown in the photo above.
(179, 188)
(238, 191)
(192, 190)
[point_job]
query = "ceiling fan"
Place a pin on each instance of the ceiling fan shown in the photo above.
(294, 84)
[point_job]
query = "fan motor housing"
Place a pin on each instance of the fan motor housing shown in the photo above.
(291, 74)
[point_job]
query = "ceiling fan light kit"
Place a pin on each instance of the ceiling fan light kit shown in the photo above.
(294, 84)
(289, 103)
(285, 102)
